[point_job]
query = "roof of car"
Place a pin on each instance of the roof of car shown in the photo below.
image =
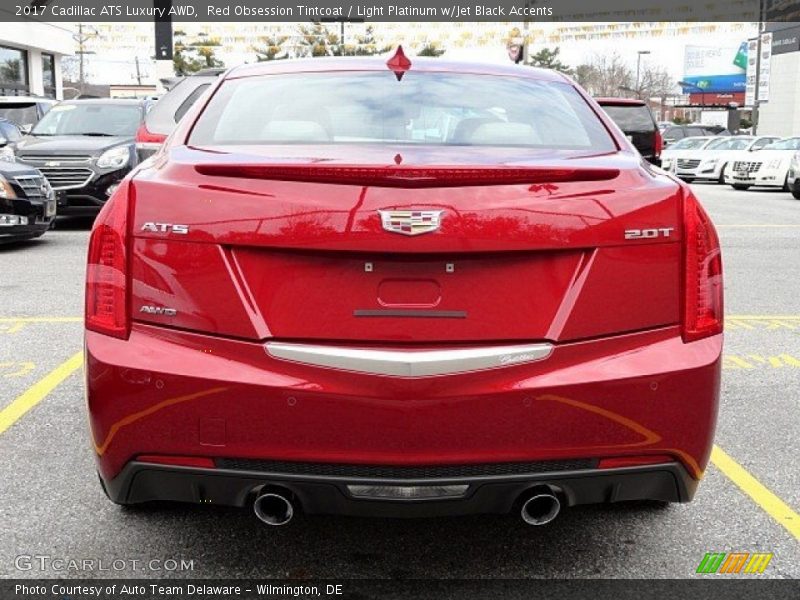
(26, 99)
(119, 101)
(422, 64)
(620, 101)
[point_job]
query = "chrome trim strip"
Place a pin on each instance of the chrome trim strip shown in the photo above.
(408, 363)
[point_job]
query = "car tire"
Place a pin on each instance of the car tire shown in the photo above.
(721, 178)
(796, 194)
(740, 186)
(785, 187)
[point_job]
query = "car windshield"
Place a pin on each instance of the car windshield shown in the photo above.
(787, 144)
(728, 143)
(631, 117)
(21, 113)
(90, 119)
(421, 108)
(689, 143)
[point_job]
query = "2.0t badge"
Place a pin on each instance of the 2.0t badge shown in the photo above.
(411, 222)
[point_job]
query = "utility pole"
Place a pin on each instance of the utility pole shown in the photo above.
(638, 67)
(138, 72)
(82, 38)
(525, 32)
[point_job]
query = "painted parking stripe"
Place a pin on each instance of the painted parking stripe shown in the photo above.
(41, 319)
(769, 502)
(758, 225)
(38, 391)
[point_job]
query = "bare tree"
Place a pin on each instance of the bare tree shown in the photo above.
(606, 75)
(654, 82)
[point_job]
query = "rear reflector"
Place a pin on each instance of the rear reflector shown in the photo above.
(408, 177)
(702, 285)
(407, 492)
(107, 268)
(633, 461)
(179, 461)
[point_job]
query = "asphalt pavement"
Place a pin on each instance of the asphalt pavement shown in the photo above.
(52, 505)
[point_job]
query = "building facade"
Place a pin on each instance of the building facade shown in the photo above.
(30, 58)
(780, 113)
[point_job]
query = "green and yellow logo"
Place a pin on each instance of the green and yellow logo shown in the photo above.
(734, 562)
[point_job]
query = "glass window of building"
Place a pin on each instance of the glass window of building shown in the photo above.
(13, 71)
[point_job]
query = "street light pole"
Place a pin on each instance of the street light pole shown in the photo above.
(638, 67)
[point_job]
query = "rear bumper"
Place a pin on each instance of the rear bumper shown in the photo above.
(142, 482)
(169, 392)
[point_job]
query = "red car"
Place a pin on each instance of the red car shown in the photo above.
(401, 289)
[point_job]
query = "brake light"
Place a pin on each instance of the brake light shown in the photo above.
(702, 283)
(409, 177)
(144, 136)
(107, 268)
(659, 143)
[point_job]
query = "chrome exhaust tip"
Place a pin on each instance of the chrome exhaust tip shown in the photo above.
(273, 508)
(540, 509)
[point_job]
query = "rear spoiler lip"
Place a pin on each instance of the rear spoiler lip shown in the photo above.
(409, 177)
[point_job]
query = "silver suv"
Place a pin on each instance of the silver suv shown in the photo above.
(169, 109)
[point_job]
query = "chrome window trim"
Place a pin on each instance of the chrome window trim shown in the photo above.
(408, 363)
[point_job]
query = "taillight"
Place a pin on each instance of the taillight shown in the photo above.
(702, 281)
(659, 143)
(107, 268)
(408, 176)
(144, 136)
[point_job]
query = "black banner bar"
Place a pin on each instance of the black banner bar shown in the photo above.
(400, 10)
(708, 587)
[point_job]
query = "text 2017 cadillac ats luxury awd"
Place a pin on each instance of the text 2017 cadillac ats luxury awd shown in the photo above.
(363, 287)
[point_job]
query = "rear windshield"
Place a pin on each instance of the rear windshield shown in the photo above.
(22, 113)
(422, 108)
(631, 117)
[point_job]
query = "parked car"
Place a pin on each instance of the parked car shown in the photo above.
(768, 167)
(27, 203)
(25, 111)
(401, 288)
(691, 143)
(84, 148)
(678, 132)
(793, 178)
(637, 122)
(169, 109)
(709, 161)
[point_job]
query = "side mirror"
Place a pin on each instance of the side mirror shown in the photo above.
(26, 129)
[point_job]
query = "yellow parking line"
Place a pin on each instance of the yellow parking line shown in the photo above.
(38, 391)
(41, 319)
(769, 502)
(747, 225)
(776, 317)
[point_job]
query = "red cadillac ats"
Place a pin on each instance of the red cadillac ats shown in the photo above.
(403, 288)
